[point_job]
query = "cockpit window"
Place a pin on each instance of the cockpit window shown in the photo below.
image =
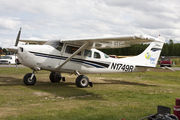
(72, 49)
(87, 53)
(97, 55)
(60, 46)
(53, 43)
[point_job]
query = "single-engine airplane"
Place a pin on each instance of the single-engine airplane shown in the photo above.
(80, 56)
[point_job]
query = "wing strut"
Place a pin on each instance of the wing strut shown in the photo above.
(70, 57)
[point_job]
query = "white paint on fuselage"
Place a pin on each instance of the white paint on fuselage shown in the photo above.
(47, 57)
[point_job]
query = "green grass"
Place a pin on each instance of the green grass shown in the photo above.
(113, 96)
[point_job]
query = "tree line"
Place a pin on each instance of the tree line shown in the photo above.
(169, 49)
(3, 51)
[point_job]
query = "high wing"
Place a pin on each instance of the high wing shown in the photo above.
(40, 42)
(112, 42)
(104, 42)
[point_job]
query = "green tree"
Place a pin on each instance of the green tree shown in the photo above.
(4, 50)
(170, 49)
(165, 50)
(176, 49)
(1, 50)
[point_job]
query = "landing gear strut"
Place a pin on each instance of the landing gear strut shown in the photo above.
(30, 78)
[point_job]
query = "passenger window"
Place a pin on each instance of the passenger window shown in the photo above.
(71, 50)
(87, 53)
(97, 55)
(60, 46)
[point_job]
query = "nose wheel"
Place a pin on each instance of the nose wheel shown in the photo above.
(29, 79)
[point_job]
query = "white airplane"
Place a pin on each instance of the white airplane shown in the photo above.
(79, 56)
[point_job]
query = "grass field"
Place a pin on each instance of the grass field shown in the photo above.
(113, 96)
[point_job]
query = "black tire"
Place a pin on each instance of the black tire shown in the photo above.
(55, 77)
(82, 81)
(27, 80)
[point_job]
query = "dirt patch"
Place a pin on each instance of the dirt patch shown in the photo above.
(8, 111)
(73, 97)
(41, 94)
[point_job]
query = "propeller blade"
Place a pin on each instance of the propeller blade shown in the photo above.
(17, 39)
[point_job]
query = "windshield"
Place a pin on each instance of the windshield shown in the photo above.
(53, 43)
(6, 57)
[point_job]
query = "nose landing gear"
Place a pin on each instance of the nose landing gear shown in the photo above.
(29, 79)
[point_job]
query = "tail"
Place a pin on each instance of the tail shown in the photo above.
(150, 55)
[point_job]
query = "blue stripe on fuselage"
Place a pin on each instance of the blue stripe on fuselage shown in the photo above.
(87, 62)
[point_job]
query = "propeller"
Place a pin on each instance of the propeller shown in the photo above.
(16, 43)
(18, 36)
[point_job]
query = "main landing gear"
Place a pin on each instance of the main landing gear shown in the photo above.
(82, 81)
(55, 77)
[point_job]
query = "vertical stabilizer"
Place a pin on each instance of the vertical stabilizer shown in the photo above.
(150, 55)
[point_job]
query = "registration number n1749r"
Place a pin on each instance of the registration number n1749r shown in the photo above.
(122, 67)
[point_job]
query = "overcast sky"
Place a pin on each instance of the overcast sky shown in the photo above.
(56, 19)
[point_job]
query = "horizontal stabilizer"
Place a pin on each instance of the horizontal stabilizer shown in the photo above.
(12, 49)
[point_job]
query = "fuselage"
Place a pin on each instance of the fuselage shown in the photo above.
(89, 61)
